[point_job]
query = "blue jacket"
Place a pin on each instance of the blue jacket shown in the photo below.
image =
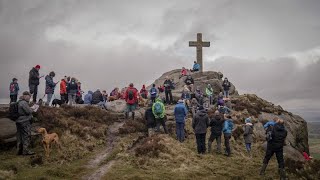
(50, 85)
(180, 112)
(88, 98)
(196, 66)
(15, 89)
(270, 123)
(227, 126)
(153, 92)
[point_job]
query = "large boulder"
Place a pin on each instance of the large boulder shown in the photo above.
(8, 130)
(117, 106)
(201, 80)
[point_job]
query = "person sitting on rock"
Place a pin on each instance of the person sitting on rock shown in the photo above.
(227, 132)
(184, 72)
(196, 67)
(144, 92)
(158, 110)
(131, 99)
(226, 87)
(248, 131)
(88, 98)
(168, 85)
(149, 117)
(189, 82)
(153, 93)
(200, 123)
(224, 110)
(275, 146)
(180, 114)
(114, 95)
(97, 99)
(216, 124)
(209, 93)
(105, 96)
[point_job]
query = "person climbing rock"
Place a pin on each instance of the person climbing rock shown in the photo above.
(227, 132)
(131, 98)
(180, 114)
(190, 83)
(158, 110)
(200, 123)
(216, 124)
(226, 87)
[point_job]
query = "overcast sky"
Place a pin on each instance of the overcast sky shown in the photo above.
(265, 47)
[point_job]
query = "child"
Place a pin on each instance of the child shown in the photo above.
(248, 131)
(227, 131)
(14, 90)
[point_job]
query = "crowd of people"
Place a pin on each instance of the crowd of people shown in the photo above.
(195, 101)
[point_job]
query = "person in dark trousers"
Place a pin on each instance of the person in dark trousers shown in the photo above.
(247, 135)
(227, 132)
(34, 81)
(200, 123)
(180, 114)
(275, 146)
(149, 117)
(23, 124)
(63, 90)
(50, 86)
(226, 87)
(14, 90)
(216, 124)
(72, 89)
(168, 90)
(131, 98)
(153, 93)
(159, 113)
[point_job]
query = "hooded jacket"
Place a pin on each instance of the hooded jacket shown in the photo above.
(216, 124)
(279, 135)
(209, 91)
(63, 87)
(33, 77)
(180, 112)
(200, 122)
(248, 131)
(50, 85)
(227, 126)
(159, 116)
(97, 97)
(72, 87)
(196, 66)
(168, 85)
(88, 98)
(25, 112)
(15, 88)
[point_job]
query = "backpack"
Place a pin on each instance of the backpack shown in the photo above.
(269, 133)
(12, 88)
(158, 109)
(14, 111)
(130, 94)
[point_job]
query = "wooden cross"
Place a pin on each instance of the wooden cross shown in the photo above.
(199, 44)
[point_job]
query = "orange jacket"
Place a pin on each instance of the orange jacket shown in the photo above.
(63, 87)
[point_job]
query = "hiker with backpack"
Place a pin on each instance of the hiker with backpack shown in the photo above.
(200, 123)
(50, 86)
(63, 90)
(131, 99)
(153, 93)
(14, 90)
(216, 124)
(189, 82)
(226, 87)
(159, 113)
(72, 90)
(144, 92)
(149, 117)
(180, 114)
(275, 146)
(248, 133)
(227, 132)
(23, 123)
(168, 85)
(196, 67)
(34, 81)
(209, 93)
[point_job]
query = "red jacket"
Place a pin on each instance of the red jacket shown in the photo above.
(184, 72)
(135, 96)
(63, 87)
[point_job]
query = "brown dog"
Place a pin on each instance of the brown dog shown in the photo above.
(47, 139)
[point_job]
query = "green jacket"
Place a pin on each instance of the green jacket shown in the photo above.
(209, 91)
(157, 116)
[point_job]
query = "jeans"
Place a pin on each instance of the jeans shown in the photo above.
(13, 98)
(201, 143)
(248, 147)
(279, 155)
(227, 137)
(218, 139)
(71, 99)
(34, 90)
(49, 97)
(180, 131)
(163, 123)
(169, 98)
(226, 93)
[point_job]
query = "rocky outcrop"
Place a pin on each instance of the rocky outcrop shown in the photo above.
(7, 130)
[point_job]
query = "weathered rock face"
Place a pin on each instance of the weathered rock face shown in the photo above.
(7, 130)
(116, 106)
(201, 80)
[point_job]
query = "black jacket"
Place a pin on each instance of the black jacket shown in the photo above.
(226, 85)
(34, 77)
(200, 122)
(279, 134)
(149, 116)
(97, 97)
(189, 81)
(168, 85)
(216, 124)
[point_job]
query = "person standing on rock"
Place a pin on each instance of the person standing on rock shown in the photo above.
(34, 81)
(131, 98)
(227, 132)
(200, 123)
(153, 93)
(226, 87)
(50, 86)
(248, 131)
(190, 83)
(23, 124)
(72, 90)
(209, 93)
(275, 146)
(14, 90)
(216, 124)
(63, 90)
(159, 113)
(180, 114)
(168, 85)
(149, 117)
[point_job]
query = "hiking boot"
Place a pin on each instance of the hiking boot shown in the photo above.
(28, 153)
(263, 169)
(282, 173)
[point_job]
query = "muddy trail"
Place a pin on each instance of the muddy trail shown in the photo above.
(98, 159)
